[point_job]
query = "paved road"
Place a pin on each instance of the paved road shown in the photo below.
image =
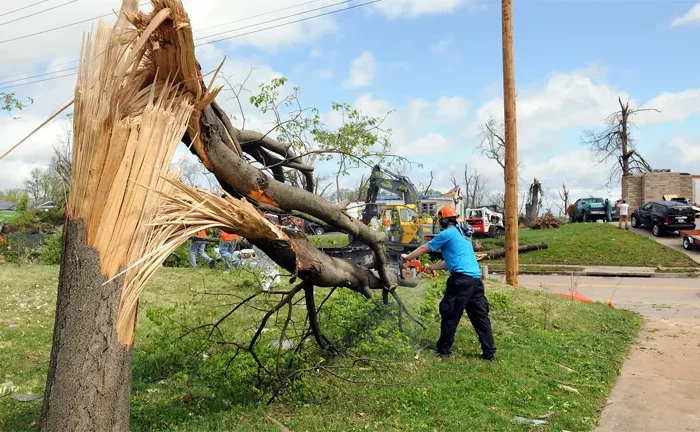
(671, 240)
(659, 385)
(665, 298)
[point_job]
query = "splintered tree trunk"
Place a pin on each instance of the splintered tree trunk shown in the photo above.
(130, 115)
(89, 382)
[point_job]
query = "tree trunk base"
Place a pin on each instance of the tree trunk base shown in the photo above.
(86, 354)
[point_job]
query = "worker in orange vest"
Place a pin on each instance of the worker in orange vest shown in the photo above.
(198, 246)
(227, 249)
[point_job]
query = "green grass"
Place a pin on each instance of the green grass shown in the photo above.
(333, 240)
(594, 244)
(173, 391)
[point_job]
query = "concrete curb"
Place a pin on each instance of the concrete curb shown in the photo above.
(608, 274)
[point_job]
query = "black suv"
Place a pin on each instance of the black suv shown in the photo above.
(663, 216)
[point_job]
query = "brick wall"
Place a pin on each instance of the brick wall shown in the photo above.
(686, 186)
(638, 189)
(633, 190)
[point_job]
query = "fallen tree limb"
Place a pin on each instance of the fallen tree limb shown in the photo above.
(501, 253)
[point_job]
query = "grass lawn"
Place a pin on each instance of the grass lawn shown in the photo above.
(573, 244)
(333, 240)
(544, 342)
(595, 244)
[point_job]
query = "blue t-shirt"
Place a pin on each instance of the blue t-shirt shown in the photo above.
(457, 252)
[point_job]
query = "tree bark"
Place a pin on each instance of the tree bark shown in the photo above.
(89, 382)
(240, 178)
(501, 253)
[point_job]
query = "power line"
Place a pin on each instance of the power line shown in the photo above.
(61, 27)
(37, 76)
(2, 82)
(275, 19)
(38, 13)
(23, 8)
(218, 40)
(262, 14)
(288, 23)
(41, 80)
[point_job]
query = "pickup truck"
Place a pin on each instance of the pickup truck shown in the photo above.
(590, 210)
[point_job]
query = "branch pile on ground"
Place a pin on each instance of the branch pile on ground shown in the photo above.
(546, 221)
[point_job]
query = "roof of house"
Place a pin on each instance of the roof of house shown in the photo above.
(46, 205)
(452, 193)
(7, 206)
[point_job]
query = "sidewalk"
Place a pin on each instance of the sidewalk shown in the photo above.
(606, 271)
(658, 386)
(658, 389)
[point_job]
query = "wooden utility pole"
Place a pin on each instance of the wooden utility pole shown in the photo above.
(511, 153)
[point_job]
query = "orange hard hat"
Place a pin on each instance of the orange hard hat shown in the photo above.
(448, 212)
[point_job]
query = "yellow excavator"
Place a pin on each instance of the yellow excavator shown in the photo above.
(405, 227)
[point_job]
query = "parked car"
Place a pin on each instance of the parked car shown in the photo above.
(664, 216)
(590, 209)
(313, 228)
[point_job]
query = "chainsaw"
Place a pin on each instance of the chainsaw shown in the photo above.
(411, 270)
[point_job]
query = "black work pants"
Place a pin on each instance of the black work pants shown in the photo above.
(465, 292)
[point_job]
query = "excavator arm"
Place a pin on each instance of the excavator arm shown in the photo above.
(384, 180)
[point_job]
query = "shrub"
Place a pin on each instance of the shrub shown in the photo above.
(179, 258)
(499, 302)
(51, 249)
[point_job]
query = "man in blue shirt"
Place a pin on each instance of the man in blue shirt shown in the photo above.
(464, 287)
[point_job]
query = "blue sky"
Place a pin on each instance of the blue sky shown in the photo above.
(421, 58)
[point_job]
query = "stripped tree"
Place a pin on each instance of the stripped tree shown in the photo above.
(492, 144)
(534, 201)
(564, 197)
(615, 143)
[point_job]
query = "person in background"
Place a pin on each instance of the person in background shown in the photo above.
(198, 246)
(624, 211)
(608, 210)
(465, 290)
(227, 249)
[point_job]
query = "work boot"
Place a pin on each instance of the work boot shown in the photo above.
(489, 357)
(442, 355)
(212, 263)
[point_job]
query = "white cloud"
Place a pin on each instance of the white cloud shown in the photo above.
(403, 9)
(208, 18)
(362, 70)
(580, 99)
(430, 143)
(688, 149)
(673, 106)
(415, 123)
(566, 100)
(442, 46)
(573, 101)
(38, 150)
(451, 109)
(323, 73)
(692, 17)
(35, 152)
